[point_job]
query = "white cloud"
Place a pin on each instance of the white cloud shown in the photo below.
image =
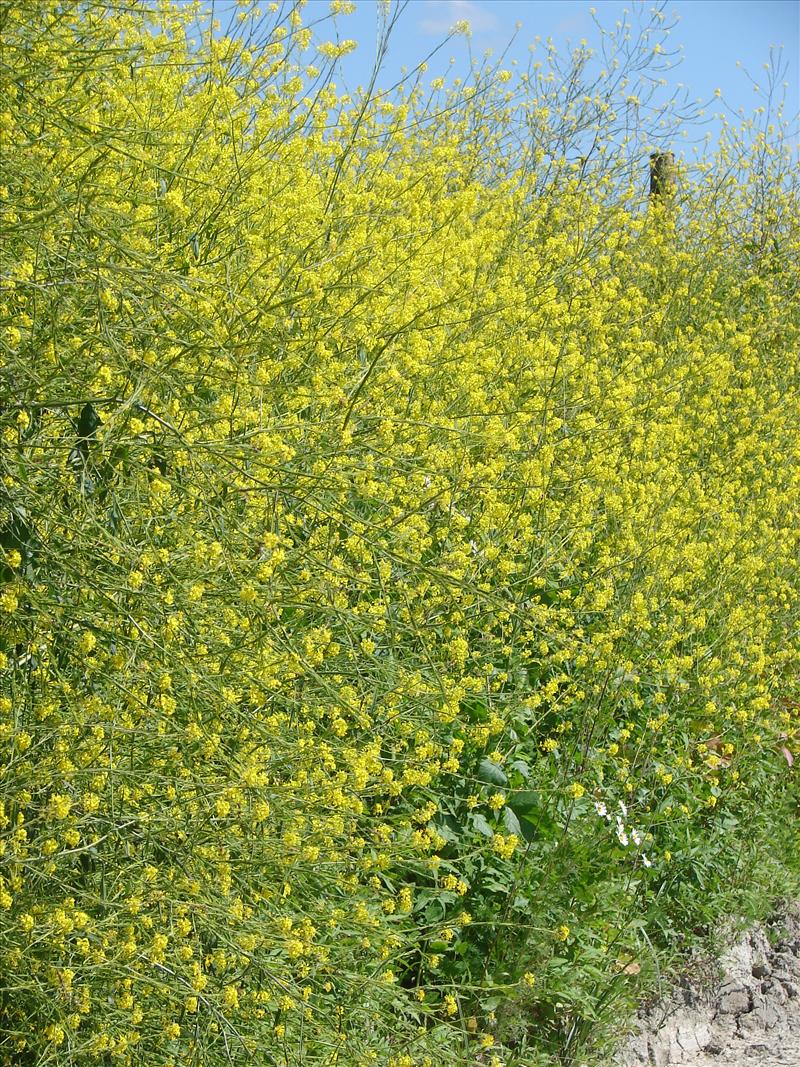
(576, 23)
(442, 15)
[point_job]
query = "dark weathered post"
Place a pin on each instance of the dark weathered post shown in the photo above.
(662, 175)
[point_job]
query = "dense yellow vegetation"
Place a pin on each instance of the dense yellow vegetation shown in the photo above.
(400, 531)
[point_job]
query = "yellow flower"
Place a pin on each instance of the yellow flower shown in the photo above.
(505, 845)
(159, 947)
(59, 806)
(87, 641)
(8, 602)
(55, 1033)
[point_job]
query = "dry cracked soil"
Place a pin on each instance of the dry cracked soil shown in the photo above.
(748, 1015)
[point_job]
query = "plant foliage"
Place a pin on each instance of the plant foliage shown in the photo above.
(399, 526)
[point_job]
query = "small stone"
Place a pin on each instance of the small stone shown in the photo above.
(693, 1035)
(774, 990)
(763, 1016)
(787, 961)
(735, 1001)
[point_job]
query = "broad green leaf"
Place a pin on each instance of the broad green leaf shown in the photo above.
(481, 825)
(524, 802)
(491, 772)
(512, 822)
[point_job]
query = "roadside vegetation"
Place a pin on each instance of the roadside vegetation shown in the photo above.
(399, 520)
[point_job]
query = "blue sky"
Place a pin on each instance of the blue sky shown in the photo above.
(712, 35)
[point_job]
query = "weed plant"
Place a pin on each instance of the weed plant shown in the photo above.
(399, 525)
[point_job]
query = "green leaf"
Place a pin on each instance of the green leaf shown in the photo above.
(512, 822)
(530, 827)
(433, 903)
(88, 423)
(481, 825)
(446, 827)
(491, 772)
(475, 710)
(523, 768)
(524, 802)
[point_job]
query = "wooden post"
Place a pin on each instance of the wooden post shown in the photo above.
(662, 175)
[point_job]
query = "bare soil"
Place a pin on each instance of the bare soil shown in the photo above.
(746, 1015)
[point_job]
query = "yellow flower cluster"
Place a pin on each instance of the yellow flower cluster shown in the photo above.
(363, 488)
